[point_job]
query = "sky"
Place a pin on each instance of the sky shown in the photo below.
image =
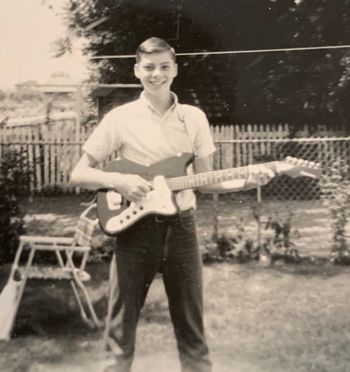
(27, 30)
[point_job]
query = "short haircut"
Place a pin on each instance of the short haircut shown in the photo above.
(154, 45)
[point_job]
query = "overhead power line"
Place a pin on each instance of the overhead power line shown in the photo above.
(125, 56)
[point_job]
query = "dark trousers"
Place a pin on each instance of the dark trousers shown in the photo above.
(167, 245)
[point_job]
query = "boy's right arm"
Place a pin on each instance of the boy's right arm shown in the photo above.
(131, 186)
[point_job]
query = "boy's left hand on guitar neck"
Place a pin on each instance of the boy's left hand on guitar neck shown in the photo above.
(258, 175)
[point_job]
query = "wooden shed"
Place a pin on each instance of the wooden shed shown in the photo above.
(112, 95)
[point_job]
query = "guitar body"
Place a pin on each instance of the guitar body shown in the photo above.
(116, 214)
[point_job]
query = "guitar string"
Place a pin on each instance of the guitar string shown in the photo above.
(189, 181)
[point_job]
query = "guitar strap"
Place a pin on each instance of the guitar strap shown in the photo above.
(184, 118)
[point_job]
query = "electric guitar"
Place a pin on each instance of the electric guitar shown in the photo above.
(116, 214)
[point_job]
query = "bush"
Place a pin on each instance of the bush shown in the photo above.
(14, 174)
(337, 190)
(2, 95)
(272, 241)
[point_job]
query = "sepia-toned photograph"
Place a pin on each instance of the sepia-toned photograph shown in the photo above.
(174, 185)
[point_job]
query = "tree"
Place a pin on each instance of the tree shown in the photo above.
(311, 85)
(3, 95)
(27, 91)
(298, 87)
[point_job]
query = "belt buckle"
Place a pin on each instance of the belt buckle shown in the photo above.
(158, 218)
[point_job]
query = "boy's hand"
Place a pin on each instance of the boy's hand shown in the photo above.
(132, 187)
(259, 175)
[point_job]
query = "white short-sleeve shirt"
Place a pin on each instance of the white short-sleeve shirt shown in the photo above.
(138, 133)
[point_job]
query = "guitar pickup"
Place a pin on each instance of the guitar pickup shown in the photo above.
(114, 200)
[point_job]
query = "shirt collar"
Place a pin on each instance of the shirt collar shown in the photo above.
(147, 104)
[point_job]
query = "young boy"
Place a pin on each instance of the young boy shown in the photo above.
(153, 128)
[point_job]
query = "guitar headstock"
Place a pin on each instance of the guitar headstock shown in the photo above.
(295, 167)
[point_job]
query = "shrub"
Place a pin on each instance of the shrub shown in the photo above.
(336, 188)
(272, 240)
(14, 175)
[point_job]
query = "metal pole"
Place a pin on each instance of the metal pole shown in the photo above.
(78, 125)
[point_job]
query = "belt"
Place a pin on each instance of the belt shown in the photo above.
(181, 214)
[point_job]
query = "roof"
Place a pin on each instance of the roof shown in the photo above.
(103, 90)
(59, 83)
(57, 88)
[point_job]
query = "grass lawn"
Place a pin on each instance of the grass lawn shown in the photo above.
(278, 319)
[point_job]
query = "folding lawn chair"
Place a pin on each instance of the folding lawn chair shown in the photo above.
(67, 250)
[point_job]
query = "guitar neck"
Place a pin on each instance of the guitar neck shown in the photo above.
(209, 178)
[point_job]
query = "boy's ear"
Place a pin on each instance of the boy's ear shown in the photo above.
(136, 70)
(176, 70)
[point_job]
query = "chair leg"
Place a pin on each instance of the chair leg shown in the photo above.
(25, 278)
(76, 283)
(81, 305)
(87, 310)
(112, 274)
(16, 290)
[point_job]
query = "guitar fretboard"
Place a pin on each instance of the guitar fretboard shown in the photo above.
(209, 178)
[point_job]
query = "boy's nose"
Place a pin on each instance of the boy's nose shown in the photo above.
(156, 72)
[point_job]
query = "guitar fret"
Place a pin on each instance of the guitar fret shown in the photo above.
(207, 178)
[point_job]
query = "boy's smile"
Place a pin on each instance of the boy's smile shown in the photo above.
(156, 73)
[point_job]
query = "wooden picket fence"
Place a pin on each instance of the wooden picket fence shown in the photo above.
(239, 145)
(53, 146)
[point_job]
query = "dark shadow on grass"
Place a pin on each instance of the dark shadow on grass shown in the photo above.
(49, 308)
(308, 266)
(325, 269)
(155, 312)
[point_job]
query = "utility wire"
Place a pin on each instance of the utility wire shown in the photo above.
(125, 56)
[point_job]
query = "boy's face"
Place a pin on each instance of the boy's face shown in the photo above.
(156, 73)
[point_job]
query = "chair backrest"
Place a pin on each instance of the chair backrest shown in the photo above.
(85, 227)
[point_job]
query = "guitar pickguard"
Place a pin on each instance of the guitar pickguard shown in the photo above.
(158, 201)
